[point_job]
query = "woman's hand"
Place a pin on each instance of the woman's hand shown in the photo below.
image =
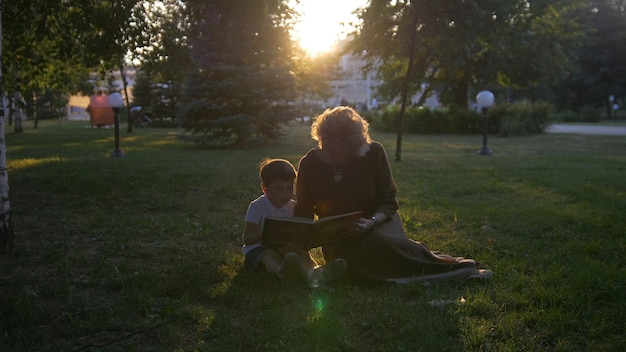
(360, 226)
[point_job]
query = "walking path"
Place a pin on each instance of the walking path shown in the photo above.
(587, 129)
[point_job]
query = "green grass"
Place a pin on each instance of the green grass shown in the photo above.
(143, 253)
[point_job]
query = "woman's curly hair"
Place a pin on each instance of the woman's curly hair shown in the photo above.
(341, 126)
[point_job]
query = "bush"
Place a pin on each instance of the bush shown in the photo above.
(426, 121)
(567, 116)
(587, 114)
(210, 124)
(468, 121)
(590, 113)
(506, 119)
(382, 120)
(521, 118)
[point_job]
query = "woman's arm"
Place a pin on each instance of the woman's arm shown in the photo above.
(365, 224)
(386, 190)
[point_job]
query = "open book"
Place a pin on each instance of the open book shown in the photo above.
(306, 232)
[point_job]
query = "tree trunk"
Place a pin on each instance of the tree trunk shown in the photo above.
(405, 83)
(461, 93)
(125, 84)
(36, 110)
(11, 111)
(17, 113)
(6, 226)
(17, 126)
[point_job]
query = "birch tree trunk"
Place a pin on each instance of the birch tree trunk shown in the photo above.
(6, 227)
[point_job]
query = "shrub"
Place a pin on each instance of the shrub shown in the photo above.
(590, 113)
(521, 118)
(382, 120)
(587, 114)
(426, 121)
(506, 119)
(468, 121)
(567, 116)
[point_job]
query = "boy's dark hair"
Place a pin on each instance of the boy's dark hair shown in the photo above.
(271, 170)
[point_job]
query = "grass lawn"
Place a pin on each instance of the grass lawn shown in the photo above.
(143, 253)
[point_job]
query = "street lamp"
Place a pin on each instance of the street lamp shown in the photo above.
(116, 102)
(484, 100)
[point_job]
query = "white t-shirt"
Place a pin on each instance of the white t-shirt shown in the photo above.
(261, 208)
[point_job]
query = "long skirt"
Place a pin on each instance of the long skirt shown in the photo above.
(387, 254)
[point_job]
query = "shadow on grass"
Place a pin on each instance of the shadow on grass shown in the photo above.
(259, 312)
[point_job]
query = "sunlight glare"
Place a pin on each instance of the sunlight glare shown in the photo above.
(320, 25)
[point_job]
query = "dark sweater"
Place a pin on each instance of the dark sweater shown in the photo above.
(366, 185)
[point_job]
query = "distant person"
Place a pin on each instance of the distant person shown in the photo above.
(349, 172)
(277, 183)
(139, 118)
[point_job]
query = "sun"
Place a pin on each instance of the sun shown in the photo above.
(320, 25)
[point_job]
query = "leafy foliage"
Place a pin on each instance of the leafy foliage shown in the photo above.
(451, 47)
(518, 119)
(427, 121)
(38, 51)
(52, 46)
(312, 77)
(242, 86)
(601, 60)
(159, 44)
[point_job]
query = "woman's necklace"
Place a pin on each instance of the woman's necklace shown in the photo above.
(337, 172)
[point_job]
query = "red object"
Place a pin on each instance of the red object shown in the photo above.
(100, 111)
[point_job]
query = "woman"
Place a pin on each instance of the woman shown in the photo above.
(348, 172)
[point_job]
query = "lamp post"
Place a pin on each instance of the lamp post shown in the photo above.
(484, 100)
(116, 102)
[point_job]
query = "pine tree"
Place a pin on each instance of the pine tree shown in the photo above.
(242, 85)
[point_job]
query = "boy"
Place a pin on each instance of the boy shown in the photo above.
(277, 182)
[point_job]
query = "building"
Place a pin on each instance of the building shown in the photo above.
(359, 89)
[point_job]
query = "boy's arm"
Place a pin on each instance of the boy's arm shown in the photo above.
(252, 233)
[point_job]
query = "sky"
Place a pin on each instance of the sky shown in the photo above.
(321, 22)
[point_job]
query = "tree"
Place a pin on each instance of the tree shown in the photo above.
(449, 47)
(6, 225)
(113, 20)
(50, 46)
(540, 51)
(142, 90)
(313, 76)
(160, 46)
(602, 70)
(43, 44)
(242, 84)
(424, 42)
